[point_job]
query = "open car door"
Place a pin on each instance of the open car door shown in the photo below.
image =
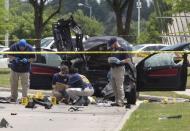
(162, 72)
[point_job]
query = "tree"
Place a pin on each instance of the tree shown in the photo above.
(119, 7)
(3, 16)
(179, 5)
(39, 22)
(90, 26)
(1, 12)
(152, 33)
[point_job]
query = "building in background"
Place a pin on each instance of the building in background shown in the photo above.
(178, 31)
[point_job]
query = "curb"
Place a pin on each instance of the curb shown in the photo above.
(127, 115)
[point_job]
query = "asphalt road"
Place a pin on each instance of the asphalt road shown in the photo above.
(89, 118)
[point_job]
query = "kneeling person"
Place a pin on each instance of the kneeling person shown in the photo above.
(59, 83)
(79, 88)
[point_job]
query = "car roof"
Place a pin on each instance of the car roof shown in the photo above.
(178, 46)
(98, 40)
(152, 45)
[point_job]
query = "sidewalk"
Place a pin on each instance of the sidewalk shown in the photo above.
(30, 91)
(186, 92)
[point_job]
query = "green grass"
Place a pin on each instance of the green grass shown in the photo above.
(165, 93)
(146, 118)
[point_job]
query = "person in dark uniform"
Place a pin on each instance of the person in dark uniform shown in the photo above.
(59, 84)
(117, 62)
(79, 88)
(20, 68)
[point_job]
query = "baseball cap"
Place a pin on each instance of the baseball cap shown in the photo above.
(22, 42)
(112, 41)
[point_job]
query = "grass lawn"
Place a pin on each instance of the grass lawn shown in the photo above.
(146, 118)
(165, 93)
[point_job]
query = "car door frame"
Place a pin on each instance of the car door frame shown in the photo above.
(146, 83)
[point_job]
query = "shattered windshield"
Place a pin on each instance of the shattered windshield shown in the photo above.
(162, 59)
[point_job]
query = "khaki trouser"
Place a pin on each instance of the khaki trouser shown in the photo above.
(75, 93)
(25, 80)
(117, 79)
(59, 94)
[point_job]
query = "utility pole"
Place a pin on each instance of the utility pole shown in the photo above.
(139, 6)
(7, 20)
(87, 6)
(86, 2)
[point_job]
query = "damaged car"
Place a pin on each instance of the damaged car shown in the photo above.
(157, 72)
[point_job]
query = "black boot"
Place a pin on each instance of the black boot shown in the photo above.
(82, 101)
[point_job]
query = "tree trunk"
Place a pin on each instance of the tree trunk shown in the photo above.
(39, 23)
(119, 23)
(128, 18)
(38, 32)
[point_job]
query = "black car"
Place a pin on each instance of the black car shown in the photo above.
(157, 72)
(95, 64)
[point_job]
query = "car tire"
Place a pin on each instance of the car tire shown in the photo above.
(131, 96)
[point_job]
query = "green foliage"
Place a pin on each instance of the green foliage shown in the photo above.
(90, 26)
(23, 28)
(22, 23)
(156, 26)
(1, 12)
(152, 32)
(3, 21)
(179, 5)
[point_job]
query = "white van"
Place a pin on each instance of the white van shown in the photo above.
(48, 42)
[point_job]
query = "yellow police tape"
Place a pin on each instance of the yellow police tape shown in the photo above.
(92, 52)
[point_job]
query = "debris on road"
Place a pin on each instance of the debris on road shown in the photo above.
(13, 114)
(72, 109)
(43, 102)
(4, 124)
(4, 100)
(161, 99)
(170, 117)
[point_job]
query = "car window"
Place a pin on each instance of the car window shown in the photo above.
(46, 42)
(162, 59)
(53, 46)
(150, 48)
(160, 47)
(186, 48)
(51, 60)
(138, 47)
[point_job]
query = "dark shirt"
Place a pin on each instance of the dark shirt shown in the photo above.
(20, 66)
(59, 78)
(79, 81)
(120, 56)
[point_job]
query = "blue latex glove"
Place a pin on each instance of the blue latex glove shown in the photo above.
(17, 59)
(25, 61)
(119, 62)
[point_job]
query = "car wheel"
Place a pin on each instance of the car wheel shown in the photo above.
(131, 95)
